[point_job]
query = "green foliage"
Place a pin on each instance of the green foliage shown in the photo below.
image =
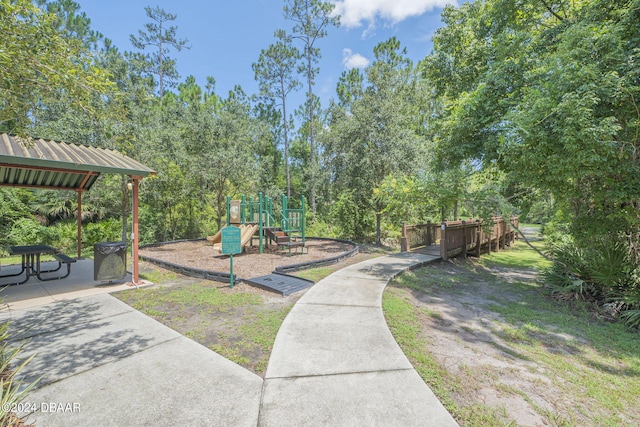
(38, 61)
(631, 318)
(377, 132)
(275, 73)
(160, 36)
(14, 205)
(12, 391)
(320, 228)
(604, 271)
(109, 230)
(67, 233)
(548, 98)
(311, 19)
(398, 196)
(569, 268)
(28, 231)
(350, 218)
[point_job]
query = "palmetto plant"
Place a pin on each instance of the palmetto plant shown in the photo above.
(11, 390)
(608, 271)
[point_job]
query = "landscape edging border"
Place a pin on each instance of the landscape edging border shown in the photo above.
(218, 276)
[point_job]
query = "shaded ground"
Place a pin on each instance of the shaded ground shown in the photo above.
(464, 336)
(501, 343)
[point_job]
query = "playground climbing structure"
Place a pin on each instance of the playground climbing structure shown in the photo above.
(284, 228)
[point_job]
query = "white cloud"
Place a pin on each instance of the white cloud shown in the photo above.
(354, 12)
(353, 60)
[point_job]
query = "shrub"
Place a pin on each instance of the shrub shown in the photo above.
(108, 230)
(67, 235)
(11, 391)
(319, 228)
(351, 219)
(28, 231)
(604, 269)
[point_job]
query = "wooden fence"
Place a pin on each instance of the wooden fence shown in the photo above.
(460, 237)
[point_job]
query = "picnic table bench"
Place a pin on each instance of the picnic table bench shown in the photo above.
(31, 262)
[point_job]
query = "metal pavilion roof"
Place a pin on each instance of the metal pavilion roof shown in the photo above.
(60, 165)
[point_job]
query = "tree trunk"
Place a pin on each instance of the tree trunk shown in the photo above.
(312, 143)
(286, 146)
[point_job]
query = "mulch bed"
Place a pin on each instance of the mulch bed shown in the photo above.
(200, 254)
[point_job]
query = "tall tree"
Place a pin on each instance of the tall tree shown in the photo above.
(350, 87)
(311, 19)
(275, 72)
(161, 37)
(548, 92)
(38, 61)
(71, 22)
(380, 134)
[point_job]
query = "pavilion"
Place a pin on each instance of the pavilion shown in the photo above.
(54, 165)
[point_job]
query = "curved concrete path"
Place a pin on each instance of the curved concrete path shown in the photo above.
(335, 362)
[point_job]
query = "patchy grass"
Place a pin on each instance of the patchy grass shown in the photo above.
(564, 366)
(158, 275)
(404, 320)
(238, 324)
(521, 258)
(365, 252)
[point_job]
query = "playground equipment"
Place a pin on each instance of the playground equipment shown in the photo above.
(247, 231)
(257, 217)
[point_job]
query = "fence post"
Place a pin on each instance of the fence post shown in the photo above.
(464, 238)
(404, 243)
(478, 239)
(443, 241)
(429, 241)
(490, 239)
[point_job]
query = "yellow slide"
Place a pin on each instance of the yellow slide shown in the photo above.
(247, 233)
(216, 238)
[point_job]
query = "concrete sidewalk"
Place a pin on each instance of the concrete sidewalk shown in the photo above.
(35, 292)
(334, 361)
(104, 363)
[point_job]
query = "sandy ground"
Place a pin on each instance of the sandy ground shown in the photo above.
(462, 337)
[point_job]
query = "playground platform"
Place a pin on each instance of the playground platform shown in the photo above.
(281, 283)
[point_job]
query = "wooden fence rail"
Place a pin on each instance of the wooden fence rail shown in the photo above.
(460, 237)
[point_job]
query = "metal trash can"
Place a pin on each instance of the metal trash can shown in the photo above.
(109, 261)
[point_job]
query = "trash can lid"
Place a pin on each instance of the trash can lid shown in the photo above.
(107, 248)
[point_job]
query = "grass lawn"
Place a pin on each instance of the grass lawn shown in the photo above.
(482, 333)
(498, 351)
(240, 323)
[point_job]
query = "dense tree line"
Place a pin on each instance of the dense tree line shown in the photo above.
(523, 106)
(546, 92)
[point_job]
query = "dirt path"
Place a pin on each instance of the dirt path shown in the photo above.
(464, 336)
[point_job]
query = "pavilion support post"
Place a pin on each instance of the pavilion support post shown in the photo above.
(134, 236)
(79, 224)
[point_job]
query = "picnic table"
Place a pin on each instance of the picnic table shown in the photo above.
(31, 265)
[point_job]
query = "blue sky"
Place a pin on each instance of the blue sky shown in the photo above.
(226, 37)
